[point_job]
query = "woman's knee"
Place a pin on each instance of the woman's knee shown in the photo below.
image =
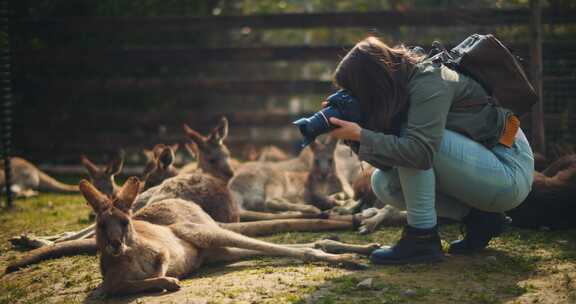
(386, 186)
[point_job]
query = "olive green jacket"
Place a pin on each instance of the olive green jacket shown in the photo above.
(432, 91)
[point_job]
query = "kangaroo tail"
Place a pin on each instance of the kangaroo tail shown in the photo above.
(68, 248)
(287, 225)
(48, 183)
(249, 216)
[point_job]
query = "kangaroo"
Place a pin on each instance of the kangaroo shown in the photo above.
(27, 179)
(375, 212)
(160, 165)
(267, 153)
(212, 154)
(170, 239)
(104, 178)
(269, 186)
(550, 203)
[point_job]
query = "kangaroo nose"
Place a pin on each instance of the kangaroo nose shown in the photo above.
(115, 244)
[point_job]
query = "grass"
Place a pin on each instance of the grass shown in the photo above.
(522, 266)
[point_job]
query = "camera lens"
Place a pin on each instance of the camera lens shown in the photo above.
(317, 124)
(340, 105)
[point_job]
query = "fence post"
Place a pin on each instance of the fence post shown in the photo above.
(538, 137)
(6, 95)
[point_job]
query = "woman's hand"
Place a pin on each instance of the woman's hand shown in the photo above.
(347, 130)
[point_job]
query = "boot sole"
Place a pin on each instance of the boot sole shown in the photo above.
(426, 259)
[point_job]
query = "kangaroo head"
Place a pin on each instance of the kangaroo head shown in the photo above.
(160, 165)
(323, 154)
(250, 152)
(114, 230)
(212, 154)
(103, 178)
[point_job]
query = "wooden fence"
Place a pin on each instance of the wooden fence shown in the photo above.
(109, 83)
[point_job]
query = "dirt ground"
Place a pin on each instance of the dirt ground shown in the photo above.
(522, 266)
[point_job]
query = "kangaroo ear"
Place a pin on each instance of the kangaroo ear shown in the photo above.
(174, 147)
(148, 169)
(157, 150)
(114, 166)
(90, 166)
(95, 198)
(127, 194)
(192, 148)
(195, 136)
(220, 132)
(149, 154)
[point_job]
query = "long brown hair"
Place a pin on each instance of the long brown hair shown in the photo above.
(377, 75)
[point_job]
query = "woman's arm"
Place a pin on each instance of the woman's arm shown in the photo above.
(430, 100)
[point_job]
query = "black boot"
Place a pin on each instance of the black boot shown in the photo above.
(481, 227)
(415, 246)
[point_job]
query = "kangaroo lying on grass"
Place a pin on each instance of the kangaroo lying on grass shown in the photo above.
(169, 239)
(27, 179)
(376, 212)
(267, 153)
(269, 186)
(551, 203)
(160, 165)
(104, 178)
(213, 157)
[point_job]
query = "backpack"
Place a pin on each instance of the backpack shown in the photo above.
(485, 59)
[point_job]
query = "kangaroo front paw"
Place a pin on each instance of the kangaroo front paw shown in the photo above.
(29, 241)
(341, 211)
(368, 226)
(350, 261)
(330, 246)
(340, 196)
(347, 260)
(171, 284)
(310, 210)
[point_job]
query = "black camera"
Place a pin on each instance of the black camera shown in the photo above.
(340, 105)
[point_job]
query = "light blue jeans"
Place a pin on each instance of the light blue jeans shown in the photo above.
(465, 174)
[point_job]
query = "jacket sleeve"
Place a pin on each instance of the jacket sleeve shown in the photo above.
(430, 100)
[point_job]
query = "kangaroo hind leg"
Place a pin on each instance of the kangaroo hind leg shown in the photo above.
(208, 237)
